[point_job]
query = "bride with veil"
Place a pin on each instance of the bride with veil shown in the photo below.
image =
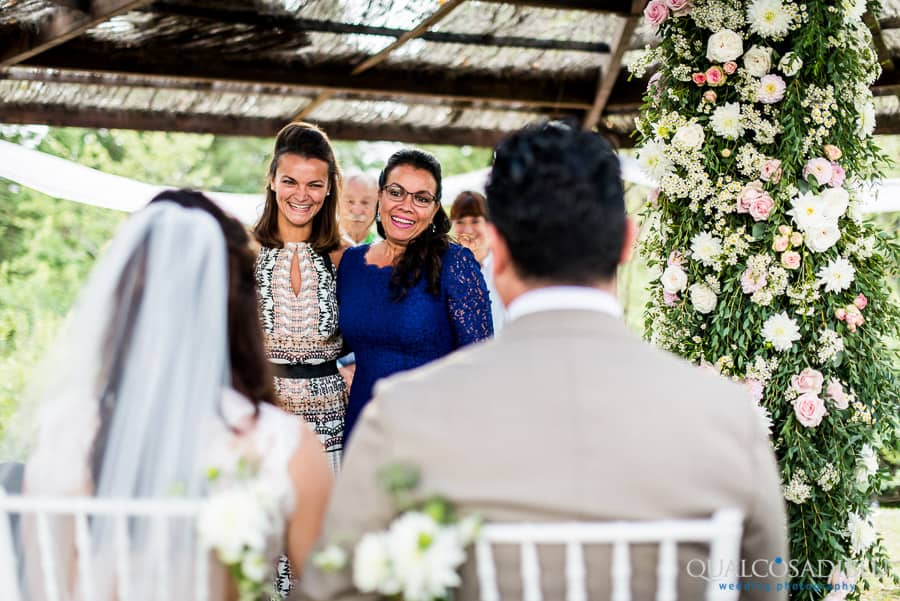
(157, 383)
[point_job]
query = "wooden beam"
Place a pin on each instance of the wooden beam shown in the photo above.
(60, 116)
(548, 91)
(292, 24)
(445, 9)
(313, 105)
(66, 22)
(616, 7)
(607, 81)
(884, 54)
(890, 23)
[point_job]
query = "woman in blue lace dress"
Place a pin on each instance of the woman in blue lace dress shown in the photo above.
(412, 297)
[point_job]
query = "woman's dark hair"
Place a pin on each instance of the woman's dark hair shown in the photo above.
(468, 204)
(423, 253)
(309, 142)
(250, 371)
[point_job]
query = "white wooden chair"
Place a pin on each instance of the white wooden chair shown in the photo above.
(163, 517)
(722, 532)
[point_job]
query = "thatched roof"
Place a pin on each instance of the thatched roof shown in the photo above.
(424, 71)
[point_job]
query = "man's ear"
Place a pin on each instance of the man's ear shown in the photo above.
(499, 249)
(631, 233)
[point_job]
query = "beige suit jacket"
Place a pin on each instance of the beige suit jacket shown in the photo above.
(566, 415)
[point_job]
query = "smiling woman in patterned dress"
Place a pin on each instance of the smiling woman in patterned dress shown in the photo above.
(296, 276)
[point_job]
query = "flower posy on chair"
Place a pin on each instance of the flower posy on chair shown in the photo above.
(242, 515)
(418, 557)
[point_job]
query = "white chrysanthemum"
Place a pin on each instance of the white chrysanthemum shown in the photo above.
(853, 10)
(769, 18)
(865, 125)
(706, 248)
(372, 566)
(425, 556)
(861, 533)
(837, 275)
(703, 298)
(673, 279)
(822, 237)
(868, 459)
(689, 137)
(653, 160)
(247, 523)
(781, 330)
(771, 89)
(726, 121)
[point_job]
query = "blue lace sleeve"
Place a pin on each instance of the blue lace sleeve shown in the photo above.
(468, 302)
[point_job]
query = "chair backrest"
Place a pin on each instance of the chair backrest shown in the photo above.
(722, 532)
(165, 518)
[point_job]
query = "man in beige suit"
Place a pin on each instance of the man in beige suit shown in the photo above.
(566, 415)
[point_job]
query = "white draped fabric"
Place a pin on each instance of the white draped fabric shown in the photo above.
(61, 178)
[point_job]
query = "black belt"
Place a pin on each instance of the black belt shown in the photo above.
(305, 370)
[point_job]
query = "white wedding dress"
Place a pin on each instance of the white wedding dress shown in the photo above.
(129, 404)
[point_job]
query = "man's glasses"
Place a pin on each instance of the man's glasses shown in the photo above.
(397, 193)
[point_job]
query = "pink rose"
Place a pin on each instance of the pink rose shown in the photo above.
(771, 171)
(762, 207)
(796, 239)
(715, 76)
(749, 195)
(785, 230)
(670, 298)
(853, 318)
(808, 381)
(832, 152)
(754, 388)
(841, 314)
(861, 301)
(790, 259)
(676, 259)
(710, 96)
(656, 12)
(809, 409)
(837, 176)
(836, 393)
(820, 169)
(752, 281)
(653, 197)
(729, 67)
(780, 244)
(679, 7)
(699, 78)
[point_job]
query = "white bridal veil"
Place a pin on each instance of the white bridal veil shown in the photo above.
(127, 394)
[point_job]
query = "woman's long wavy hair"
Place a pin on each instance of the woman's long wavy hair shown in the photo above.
(310, 142)
(425, 252)
(250, 371)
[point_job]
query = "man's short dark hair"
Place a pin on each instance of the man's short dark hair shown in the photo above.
(556, 196)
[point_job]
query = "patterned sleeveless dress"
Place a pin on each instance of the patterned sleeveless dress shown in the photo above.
(302, 329)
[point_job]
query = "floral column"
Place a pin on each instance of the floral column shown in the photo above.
(757, 126)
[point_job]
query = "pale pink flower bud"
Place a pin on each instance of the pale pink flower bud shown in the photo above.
(820, 169)
(670, 298)
(699, 78)
(861, 301)
(841, 314)
(832, 152)
(780, 244)
(785, 230)
(710, 96)
(837, 176)
(771, 171)
(729, 67)
(796, 239)
(808, 380)
(838, 396)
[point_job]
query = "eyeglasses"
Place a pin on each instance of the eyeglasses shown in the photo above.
(421, 199)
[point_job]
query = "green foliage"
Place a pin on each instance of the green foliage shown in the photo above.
(718, 315)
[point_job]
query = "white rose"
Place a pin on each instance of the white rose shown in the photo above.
(724, 46)
(758, 61)
(689, 137)
(674, 279)
(371, 566)
(255, 567)
(703, 298)
(866, 122)
(231, 521)
(822, 237)
(836, 201)
(790, 64)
